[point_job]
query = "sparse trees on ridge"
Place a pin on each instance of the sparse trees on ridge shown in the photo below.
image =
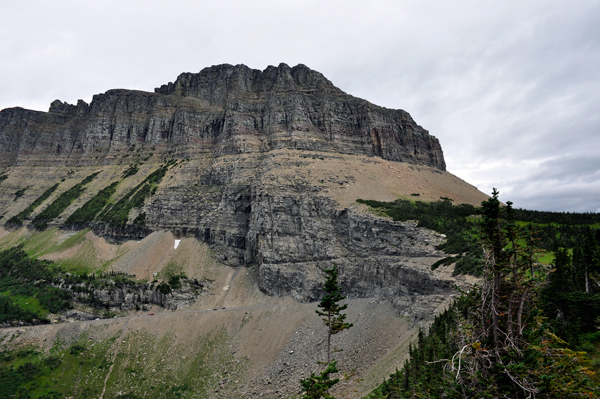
(523, 332)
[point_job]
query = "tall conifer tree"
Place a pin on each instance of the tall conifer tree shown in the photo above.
(333, 318)
(316, 386)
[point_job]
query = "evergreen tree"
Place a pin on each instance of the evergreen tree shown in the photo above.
(561, 278)
(333, 318)
(316, 386)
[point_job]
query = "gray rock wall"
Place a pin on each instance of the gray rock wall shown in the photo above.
(214, 110)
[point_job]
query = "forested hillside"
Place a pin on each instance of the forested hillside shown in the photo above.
(528, 329)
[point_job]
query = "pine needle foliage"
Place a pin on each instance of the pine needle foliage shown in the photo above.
(317, 386)
(331, 311)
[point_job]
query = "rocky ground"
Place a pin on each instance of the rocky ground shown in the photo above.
(245, 343)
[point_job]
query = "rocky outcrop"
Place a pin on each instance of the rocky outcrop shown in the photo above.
(375, 256)
(292, 234)
(216, 110)
(134, 296)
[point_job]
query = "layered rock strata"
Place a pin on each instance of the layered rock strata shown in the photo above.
(216, 110)
(255, 184)
(135, 296)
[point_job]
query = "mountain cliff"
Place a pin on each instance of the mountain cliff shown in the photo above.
(225, 110)
(263, 166)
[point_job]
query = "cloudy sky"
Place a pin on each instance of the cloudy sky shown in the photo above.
(511, 88)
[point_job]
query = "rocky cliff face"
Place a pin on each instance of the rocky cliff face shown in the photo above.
(135, 296)
(216, 110)
(269, 161)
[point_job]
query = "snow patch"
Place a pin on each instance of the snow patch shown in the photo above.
(177, 243)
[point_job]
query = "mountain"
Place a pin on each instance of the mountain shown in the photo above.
(258, 173)
(224, 110)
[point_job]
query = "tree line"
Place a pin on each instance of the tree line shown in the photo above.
(525, 331)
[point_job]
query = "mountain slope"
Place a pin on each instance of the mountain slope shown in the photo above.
(258, 173)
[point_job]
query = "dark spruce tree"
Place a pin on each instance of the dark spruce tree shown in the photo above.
(332, 314)
(316, 386)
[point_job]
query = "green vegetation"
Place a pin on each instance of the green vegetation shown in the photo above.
(332, 314)
(172, 269)
(571, 298)
(99, 206)
(171, 275)
(561, 218)
(17, 220)
(40, 222)
(503, 339)
(31, 288)
(460, 223)
(32, 374)
(23, 279)
(3, 177)
(118, 214)
(90, 209)
(82, 259)
(39, 243)
(316, 386)
(20, 193)
(137, 365)
(132, 170)
(427, 368)
(140, 220)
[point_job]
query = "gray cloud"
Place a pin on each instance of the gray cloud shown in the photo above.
(510, 88)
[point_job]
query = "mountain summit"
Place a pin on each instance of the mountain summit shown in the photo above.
(223, 109)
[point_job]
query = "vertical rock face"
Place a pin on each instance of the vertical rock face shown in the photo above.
(253, 141)
(217, 109)
(264, 213)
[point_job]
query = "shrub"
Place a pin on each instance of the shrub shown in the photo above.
(17, 220)
(53, 210)
(132, 170)
(118, 214)
(90, 209)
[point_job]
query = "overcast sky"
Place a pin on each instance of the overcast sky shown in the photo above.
(511, 88)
